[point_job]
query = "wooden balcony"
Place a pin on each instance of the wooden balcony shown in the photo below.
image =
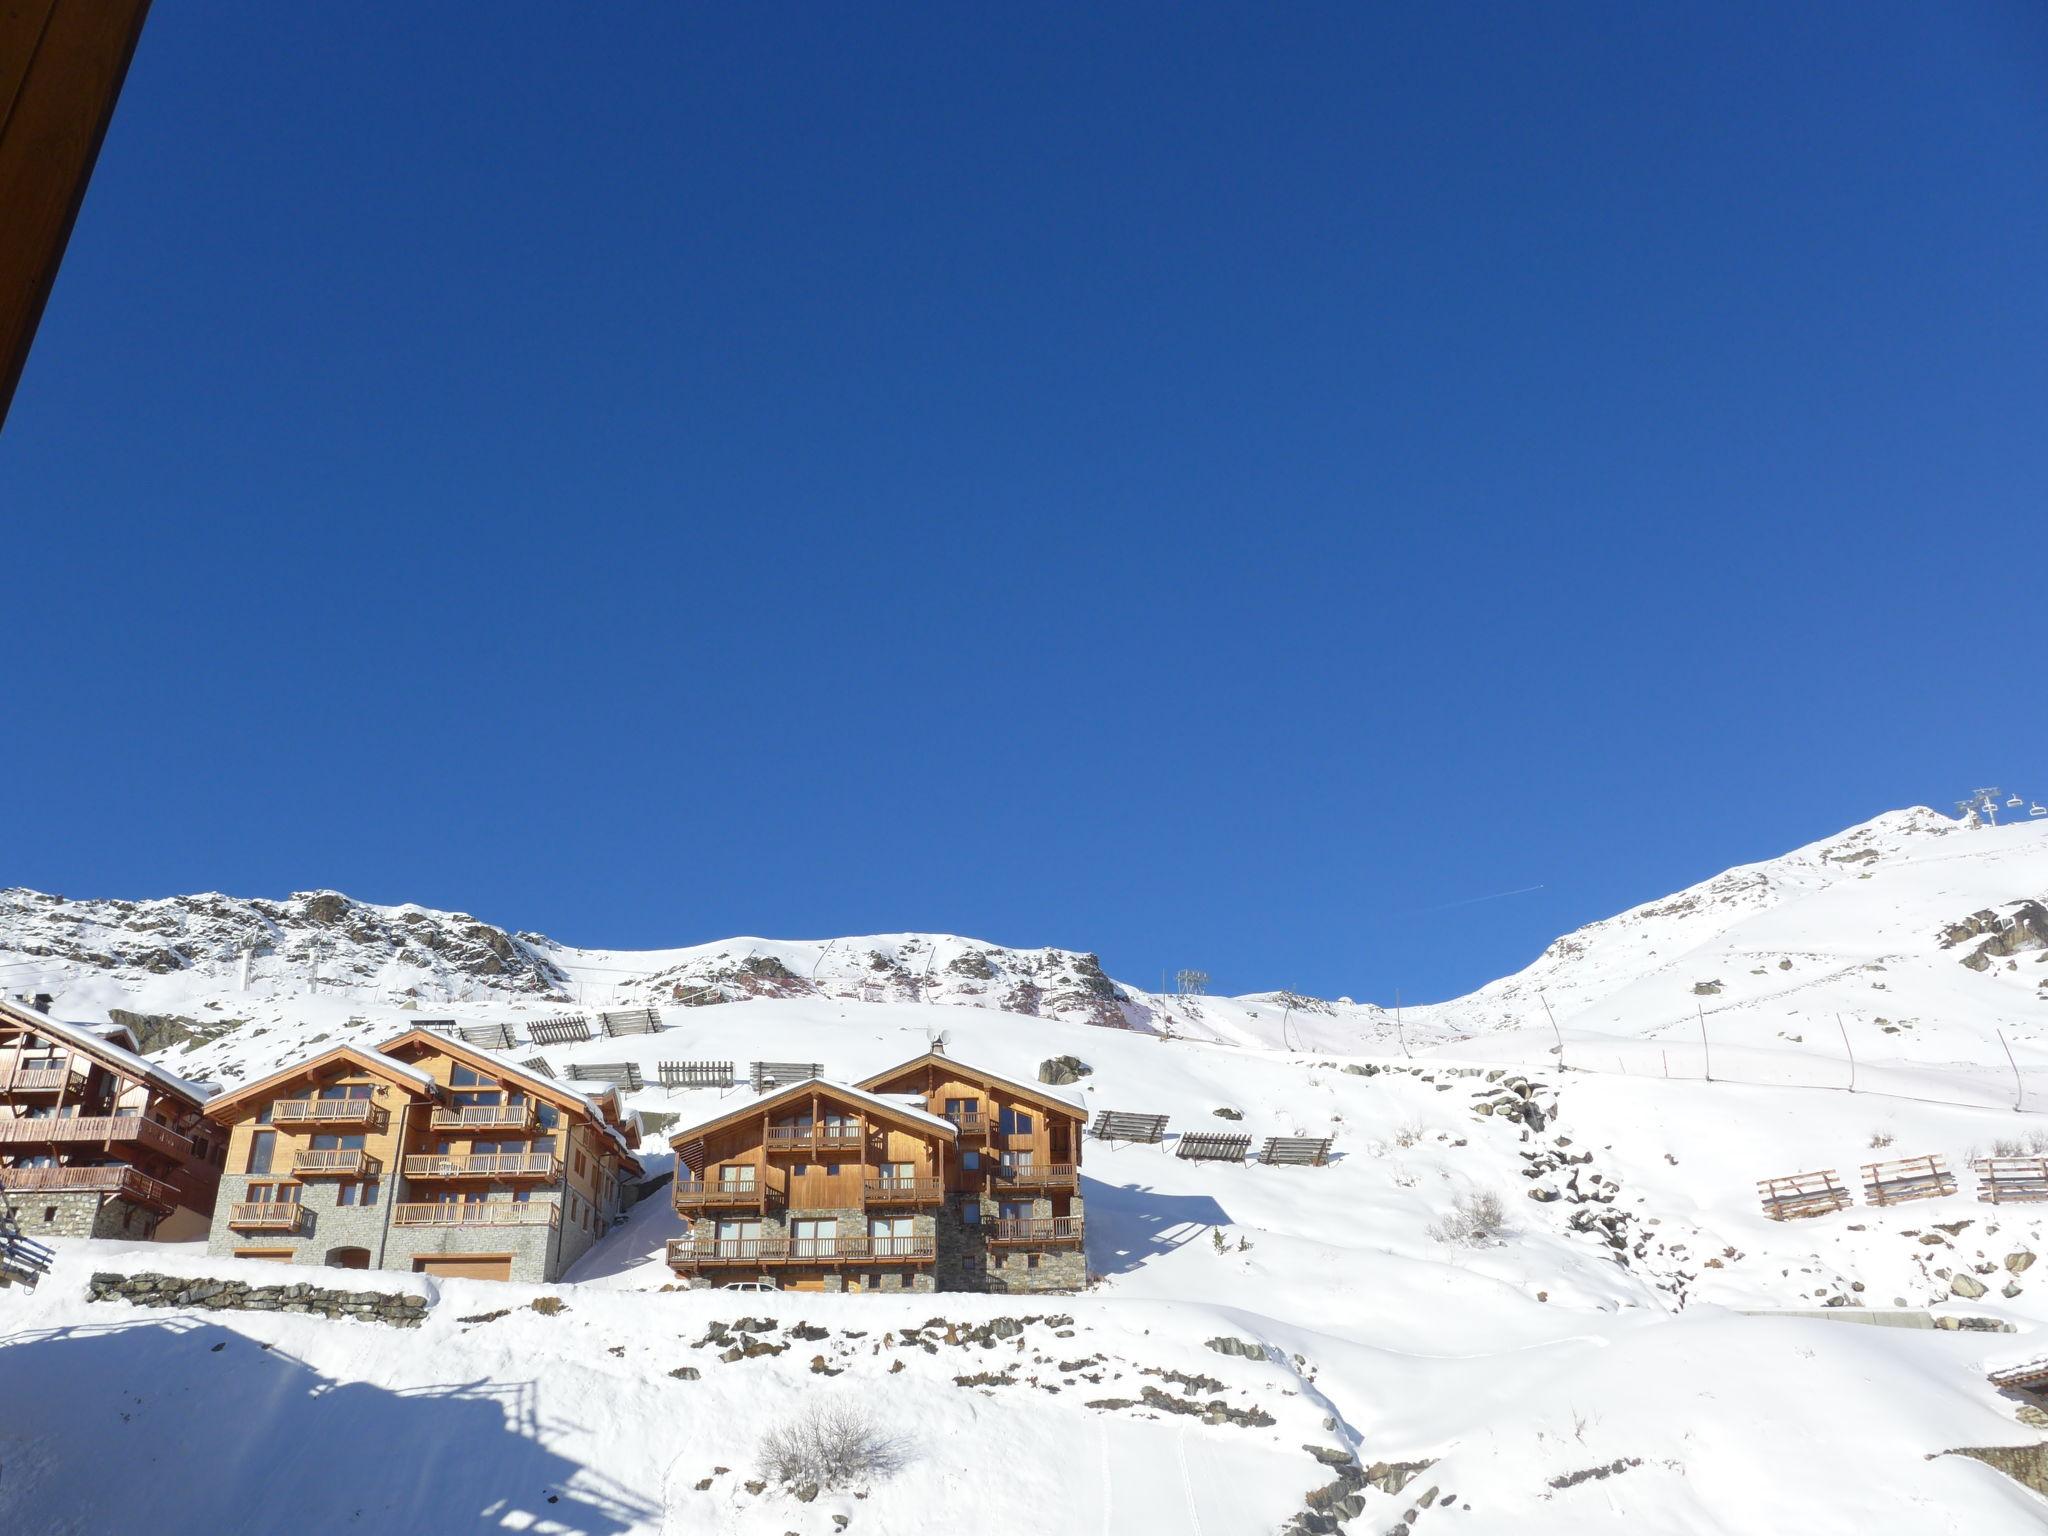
(477, 1213)
(128, 1183)
(903, 1192)
(484, 1165)
(1035, 1231)
(289, 1114)
(334, 1163)
(968, 1122)
(517, 1119)
(686, 1253)
(699, 1194)
(814, 1138)
(38, 1080)
(107, 1130)
(267, 1216)
(1038, 1175)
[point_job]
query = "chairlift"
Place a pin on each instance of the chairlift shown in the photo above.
(2015, 800)
(2038, 809)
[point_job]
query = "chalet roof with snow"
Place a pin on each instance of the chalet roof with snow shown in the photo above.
(116, 1058)
(893, 1108)
(1038, 1093)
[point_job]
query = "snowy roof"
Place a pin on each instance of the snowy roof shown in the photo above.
(371, 1059)
(969, 1069)
(84, 1038)
(880, 1101)
(533, 1081)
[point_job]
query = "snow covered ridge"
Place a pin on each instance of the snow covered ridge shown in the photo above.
(1910, 927)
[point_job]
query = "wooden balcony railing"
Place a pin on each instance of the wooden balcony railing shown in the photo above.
(968, 1122)
(705, 1253)
(115, 1130)
(483, 1165)
(341, 1162)
(814, 1138)
(729, 1196)
(903, 1191)
(1037, 1175)
(477, 1213)
(1040, 1231)
(267, 1216)
(116, 1180)
(36, 1080)
(293, 1112)
(521, 1118)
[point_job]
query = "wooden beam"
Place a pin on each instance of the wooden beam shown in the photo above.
(62, 63)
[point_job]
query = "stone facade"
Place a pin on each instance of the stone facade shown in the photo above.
(539, 1252)
(80, 1214)
(967, 1261)
(895, 1274)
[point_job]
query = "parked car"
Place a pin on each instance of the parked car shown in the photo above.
(751, 1285)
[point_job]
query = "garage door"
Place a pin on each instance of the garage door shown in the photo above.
(800, 1280)
(466, 1266)
(274, 1255)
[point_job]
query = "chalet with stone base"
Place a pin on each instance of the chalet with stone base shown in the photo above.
(930, 1176)
(1013, 1217)
(94, 1140)
(424, 1155)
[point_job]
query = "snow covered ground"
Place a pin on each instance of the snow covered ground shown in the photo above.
(1599, 1366)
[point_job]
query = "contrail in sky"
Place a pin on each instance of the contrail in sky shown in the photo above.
(1473, 900)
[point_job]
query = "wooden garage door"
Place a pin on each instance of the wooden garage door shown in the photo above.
(803, 1280)
(466, 1266)
(274, 1255)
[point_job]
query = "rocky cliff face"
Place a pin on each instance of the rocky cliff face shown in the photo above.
(311, 939)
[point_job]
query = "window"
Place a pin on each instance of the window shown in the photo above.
(263, 1115)
(364, 1193)
(899, 1173)
(1016, 1122)
(1019, 1161)
(814, 1238)
(970, 1212)
(963, 1109)
(1031, 1261)
(831, 1170)
(49, 1213)
(262, 1147)
(892, 1236)
(736, 1176)
(970, 1159)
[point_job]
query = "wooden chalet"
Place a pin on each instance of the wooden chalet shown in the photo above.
(425, 1154)
(813, 1186)
(95, 1141)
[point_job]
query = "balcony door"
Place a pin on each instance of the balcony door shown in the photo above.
(892, 1236)
(735, 1177)
(738, 1239)
(814, 1239)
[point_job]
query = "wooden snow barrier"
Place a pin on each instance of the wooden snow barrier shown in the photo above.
(2012, 1180)
(492, 1037)
(559, 1031)
(439, 1026)
(620, 1074)
(1907, 1178)
(1303, 1151)
(1119, 1125)
(2030, 1377)
(22, 1259)
(695, 1074)
(1803, 1194)
(780, 1074)
(1213, 1146)
(538, 1065)
(630, 1021)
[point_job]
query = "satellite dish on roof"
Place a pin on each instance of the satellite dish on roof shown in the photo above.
(937, 1041)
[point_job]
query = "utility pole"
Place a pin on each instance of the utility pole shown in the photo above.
(1850, 1049)
(1553, 1029)
(1706, 1056)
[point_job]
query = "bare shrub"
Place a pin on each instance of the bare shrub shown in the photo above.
(2037, 1142)
(1477, 1220)
(833, 1444)
(2006, 1146)
(1408, 1135)
(1880, 1138)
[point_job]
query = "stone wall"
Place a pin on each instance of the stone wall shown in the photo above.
(73, 1213)
(155, 1290)
(532, 1248)
(328, 1225)
(2026, 1465)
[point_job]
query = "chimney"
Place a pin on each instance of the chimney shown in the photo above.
(43, 1002)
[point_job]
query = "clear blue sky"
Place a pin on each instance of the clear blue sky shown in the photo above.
(1202, 484)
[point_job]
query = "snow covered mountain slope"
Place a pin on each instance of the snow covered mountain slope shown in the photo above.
(1924, 937)
(1590, 1364)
